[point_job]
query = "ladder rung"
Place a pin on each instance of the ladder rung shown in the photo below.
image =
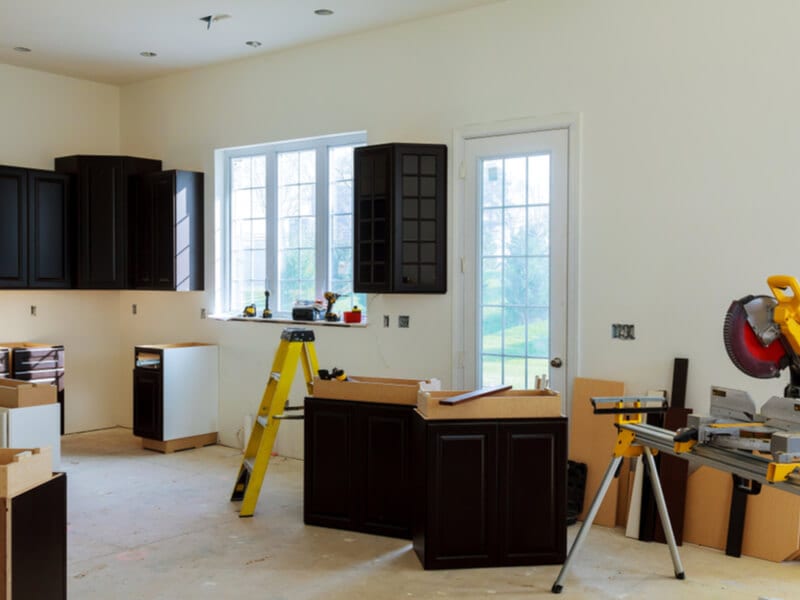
(293, 407)
(289, 417)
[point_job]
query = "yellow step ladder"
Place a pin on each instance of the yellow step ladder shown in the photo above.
(295, 342)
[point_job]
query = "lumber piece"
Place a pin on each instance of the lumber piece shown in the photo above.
(474, 394)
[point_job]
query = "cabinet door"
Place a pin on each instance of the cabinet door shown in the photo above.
(420, 217)
(102, 220)
(164, 200)
(532, 471)
(142, 229)
(38, 541)
(50, 263)
(148, 404)
(329, 492)
(372, 219)
(462, 483)
(13, 228)
(386, 460)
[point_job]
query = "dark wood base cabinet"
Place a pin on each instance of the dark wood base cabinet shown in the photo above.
(489, 492)
(33, 531)
(357, 468)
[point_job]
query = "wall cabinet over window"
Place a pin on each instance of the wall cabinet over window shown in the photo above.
(167, 231)
(400, 218)
(34, 229)
(103, 185)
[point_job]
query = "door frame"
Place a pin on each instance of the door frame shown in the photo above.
(572, 123)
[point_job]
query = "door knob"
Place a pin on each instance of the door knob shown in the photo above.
(556, 362)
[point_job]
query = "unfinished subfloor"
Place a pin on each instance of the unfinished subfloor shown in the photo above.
(146, 526)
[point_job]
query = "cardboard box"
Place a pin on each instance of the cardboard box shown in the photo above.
(17, 394)
(510, 404)
(23, 468)
(373, 389)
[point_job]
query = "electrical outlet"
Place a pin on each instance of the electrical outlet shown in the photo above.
(134, 309)
(33, 310)
(203, 313)
(385, 320)
(403, 321)
(623, 331)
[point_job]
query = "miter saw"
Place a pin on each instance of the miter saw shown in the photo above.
(762, 338)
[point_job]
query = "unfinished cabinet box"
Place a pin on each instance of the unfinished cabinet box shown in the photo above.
(167, 231)
(38, 363)
(489, 492)
(35, 232)
(400, 218)
(175, 395)
(357, 468)
(33, 541)
(103, 186)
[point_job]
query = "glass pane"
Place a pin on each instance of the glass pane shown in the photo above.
(514, 372)
(342, 231)
(288, 234)
(288, 202)
(492, 329)
(539, 179)
(514, 332)
(515, 181)
(538, 333)
(341, 197)
(492, 232)
(537, 367)
(340, 163)
(515, 231)
(492, 183)
(288, 169)
(538, 282)
(308, 166)
(240, 173)
(539, 230)
(491, 281)
(308, 232)
(241, 207)
(307, 198)
(491, 371)
(259, 202)
(514, 278)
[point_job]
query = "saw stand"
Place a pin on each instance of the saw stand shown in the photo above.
(628, 411)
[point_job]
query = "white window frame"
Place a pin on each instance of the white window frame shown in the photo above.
(321, 144)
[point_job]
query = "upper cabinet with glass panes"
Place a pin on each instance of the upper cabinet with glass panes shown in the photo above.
(400, 218)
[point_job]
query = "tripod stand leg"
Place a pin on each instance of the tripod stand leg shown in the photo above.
(587, 523)
(664, 514)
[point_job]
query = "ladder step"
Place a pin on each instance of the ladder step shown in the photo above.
(289, 417)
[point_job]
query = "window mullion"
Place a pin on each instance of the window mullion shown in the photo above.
(322, 249)
(271, 245)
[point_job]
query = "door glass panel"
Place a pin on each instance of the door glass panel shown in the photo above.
(514, 274)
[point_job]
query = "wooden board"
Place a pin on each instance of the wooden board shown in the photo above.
(708, 501)
(772, 525)
(167, 446)
(510, 404)
(591, 440)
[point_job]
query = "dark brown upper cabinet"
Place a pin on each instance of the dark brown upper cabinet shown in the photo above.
(400, 218)
(167, 231)
(35, 229)
(103, 186)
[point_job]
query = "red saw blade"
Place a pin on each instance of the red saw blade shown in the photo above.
(745, 349)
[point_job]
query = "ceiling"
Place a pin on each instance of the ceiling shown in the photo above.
(101, 40)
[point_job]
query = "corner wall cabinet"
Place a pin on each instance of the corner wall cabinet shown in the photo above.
(34, 229)
(357, 467)
(400, 218)
(167, 231)
(175, 395)
(490, 492)
(103, 186)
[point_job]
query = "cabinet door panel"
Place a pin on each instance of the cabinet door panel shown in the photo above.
(48, 212)
(387, 480)
(532, 492)
(13, 228)
(329, 497)
(142, 232)
(164, 203)
(102, 243)
(148, 404)
(462, 482)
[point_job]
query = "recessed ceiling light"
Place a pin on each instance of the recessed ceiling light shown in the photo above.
(148, 54)
(21, 49)
(253, 43)
(323, 12)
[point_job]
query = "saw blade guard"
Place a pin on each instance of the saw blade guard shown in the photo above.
(752, 338)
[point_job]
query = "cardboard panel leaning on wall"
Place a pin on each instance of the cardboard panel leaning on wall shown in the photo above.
(591, 441)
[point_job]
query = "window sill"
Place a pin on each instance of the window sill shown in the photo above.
(323, 323)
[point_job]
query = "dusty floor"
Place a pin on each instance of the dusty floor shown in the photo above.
(146, 526)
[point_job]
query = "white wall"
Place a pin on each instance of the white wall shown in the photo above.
(688, 150)
(47, 116)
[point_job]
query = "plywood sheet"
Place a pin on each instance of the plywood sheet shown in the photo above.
(708, 504)
(772, 525)
(591, 441)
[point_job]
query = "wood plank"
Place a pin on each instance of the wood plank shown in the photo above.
(167, 446)
(474, 394)
(708, 498)
(591, 440)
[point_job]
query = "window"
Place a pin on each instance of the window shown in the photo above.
(287, 224)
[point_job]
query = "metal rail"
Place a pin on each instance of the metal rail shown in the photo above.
(747, 465)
